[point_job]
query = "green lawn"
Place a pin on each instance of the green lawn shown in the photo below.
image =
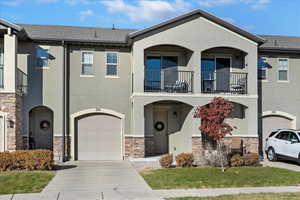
(213, 177)
(277, 196)
(24, 182)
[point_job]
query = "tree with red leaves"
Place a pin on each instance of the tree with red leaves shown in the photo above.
(213, 123)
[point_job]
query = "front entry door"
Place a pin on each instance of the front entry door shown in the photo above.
(161, 132)
(223, 74)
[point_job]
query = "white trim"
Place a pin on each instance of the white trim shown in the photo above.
(196, 95)
(288, 70)
(112, 77)
(3, 137)
(282, 114)
(96, 111)
(116, 64)
(135, 136)
(86, 76)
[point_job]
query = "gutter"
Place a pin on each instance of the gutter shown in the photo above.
(65, 102)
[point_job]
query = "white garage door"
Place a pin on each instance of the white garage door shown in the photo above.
(271, 123)
(99, 138)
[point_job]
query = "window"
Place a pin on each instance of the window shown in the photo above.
(87, 61)
(293, 137)
(111, 64)
(283, 135)
(1, 67)
(42, 57)
(262, 69)
(283, 69)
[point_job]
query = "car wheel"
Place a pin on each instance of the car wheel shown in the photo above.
(271, 154)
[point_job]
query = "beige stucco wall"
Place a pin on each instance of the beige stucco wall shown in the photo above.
(99, 91)
(281, 96)
(197, 35)
(45, 86)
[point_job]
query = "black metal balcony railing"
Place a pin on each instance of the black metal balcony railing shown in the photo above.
(168, 80)
(21, 82)
(224, 82)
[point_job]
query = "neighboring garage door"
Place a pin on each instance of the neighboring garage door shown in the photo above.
(99, 137)
(271, 123)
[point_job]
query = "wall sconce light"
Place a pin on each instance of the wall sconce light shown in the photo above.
(10, 123)
(175, 114)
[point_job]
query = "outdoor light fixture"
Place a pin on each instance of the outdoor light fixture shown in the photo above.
(10, 123)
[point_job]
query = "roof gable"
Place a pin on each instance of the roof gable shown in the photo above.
(204, 14)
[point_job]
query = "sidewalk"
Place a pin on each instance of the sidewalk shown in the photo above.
(151, 195)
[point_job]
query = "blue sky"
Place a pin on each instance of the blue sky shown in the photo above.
(276, 17)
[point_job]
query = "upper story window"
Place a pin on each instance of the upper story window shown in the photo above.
(87, 61)
(262, 69)
(111, 64)
(283, 69)
(42, 57)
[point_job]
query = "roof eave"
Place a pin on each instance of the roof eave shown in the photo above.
(10, 25)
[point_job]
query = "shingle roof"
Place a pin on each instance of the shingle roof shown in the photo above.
(72, 33)
(206, 15)
(281, 42)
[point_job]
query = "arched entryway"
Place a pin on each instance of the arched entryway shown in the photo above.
(41, 128)
(162, 120)
(273, 120)
(97, 135)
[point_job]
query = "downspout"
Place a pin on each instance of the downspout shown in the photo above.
(64, 102)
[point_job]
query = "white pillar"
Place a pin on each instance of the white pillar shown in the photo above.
(138, 119)
(196, 66)
(10, 62)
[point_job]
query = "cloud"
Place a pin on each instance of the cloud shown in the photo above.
(147, 10)
(85, 13)
(249, 27)
(228, 19)
(11, 2)
(255, 4)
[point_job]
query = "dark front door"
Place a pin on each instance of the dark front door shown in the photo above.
(223, 74)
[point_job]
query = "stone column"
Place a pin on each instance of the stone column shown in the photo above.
(10, 61)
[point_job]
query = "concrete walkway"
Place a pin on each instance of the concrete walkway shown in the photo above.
(95, 177)
(283, 164)
(150, 195)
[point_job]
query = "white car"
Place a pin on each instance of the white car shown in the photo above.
(284, 144)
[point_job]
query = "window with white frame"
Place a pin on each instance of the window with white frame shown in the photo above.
(111, 64)
(87, 61)
(42, 56)
(283, 69)
(1, 67)
(262, 69)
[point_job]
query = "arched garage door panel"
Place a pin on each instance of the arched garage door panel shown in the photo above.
(271, 123)
(99, 137)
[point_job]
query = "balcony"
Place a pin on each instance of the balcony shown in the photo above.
(168, 80)
(224, 82)
(21, 82)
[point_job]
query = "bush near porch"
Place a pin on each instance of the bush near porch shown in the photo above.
(26, 160)
(186, 178)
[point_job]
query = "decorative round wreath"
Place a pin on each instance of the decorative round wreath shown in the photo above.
(45, 125)
(159, 126)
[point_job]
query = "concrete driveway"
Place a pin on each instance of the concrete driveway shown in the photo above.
(98, 180)
(283, 164)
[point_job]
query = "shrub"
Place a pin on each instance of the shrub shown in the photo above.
(185, 160)
(236, 160)
(251, 159)
(5, 161)
(26, 160)
(166, 160)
